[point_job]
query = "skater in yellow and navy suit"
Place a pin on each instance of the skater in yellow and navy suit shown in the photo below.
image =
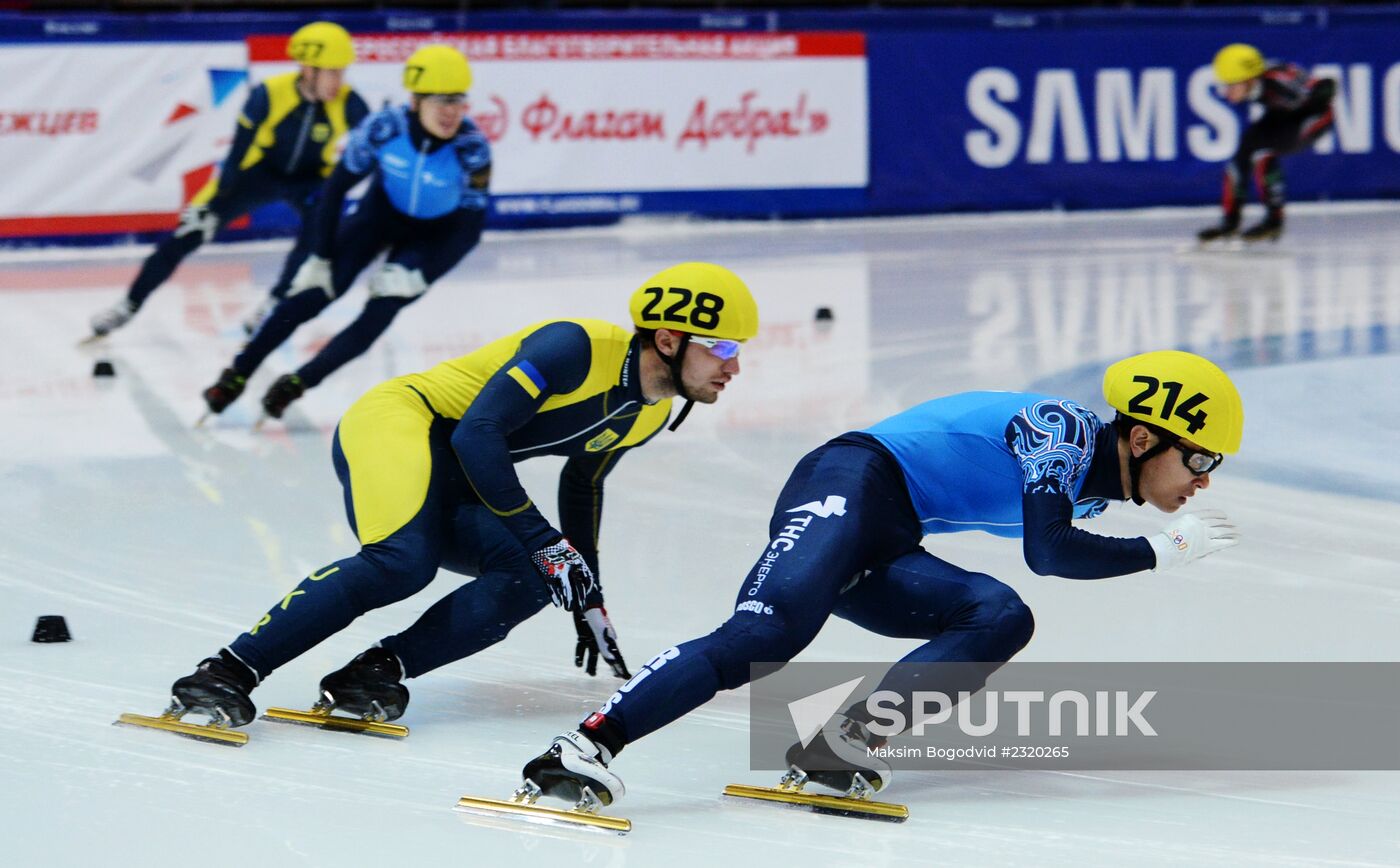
(427, 464)
(284, 146)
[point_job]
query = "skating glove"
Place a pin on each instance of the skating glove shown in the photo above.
(566, 573)
(597, 638)
(1192, 536)
(198, 218)
(314, 273)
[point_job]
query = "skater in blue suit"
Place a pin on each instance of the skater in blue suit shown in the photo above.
(844, 540)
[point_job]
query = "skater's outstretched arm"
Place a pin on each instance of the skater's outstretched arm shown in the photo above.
(1058, 445)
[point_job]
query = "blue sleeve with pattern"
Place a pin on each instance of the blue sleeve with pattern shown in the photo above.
(553, 360)
(1053, 441)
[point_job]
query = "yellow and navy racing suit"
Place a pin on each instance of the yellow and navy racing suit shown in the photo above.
(284, 146)
(427, 464)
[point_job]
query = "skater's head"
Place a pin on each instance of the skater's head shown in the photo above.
(1237, 71)
(324, 50)
(1178, 417)
(438, 77)
(692, 320)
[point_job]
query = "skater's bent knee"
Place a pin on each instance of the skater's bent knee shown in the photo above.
(998, 607)
(1017, 623)
(387, 581)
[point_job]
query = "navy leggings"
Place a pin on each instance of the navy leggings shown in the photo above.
(450, 531)
(844, 540)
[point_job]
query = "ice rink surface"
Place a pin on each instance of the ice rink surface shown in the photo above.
(160, 542)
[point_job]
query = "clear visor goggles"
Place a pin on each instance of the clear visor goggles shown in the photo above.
(1199, 463)
(720, 348)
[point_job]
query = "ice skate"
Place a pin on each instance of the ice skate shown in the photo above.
(574, 769)
(838, 757)
(369, 687)
(218, 396)
(286, 389)
(1225, 230)
(104, 322)
(218, 689)
(1268, 229)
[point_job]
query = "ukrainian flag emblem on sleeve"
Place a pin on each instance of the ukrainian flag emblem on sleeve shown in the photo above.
(529, 378)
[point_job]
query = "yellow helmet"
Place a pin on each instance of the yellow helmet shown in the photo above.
(698, 298)
(437, 69)
(1238, 62)
(1181, 392)
(322, 44)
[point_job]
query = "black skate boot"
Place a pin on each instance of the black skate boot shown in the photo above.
(219, 687)
(282, 393)
(370, 687)
(1226, 228)
(1268, 229)
(226, 391)
(574, 769)
(838, 757)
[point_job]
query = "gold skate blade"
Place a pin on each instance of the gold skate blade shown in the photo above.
(326, 720)
(203, 732)
(822, 804)
(537, 814)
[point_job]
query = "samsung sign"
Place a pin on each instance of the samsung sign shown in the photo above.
(1135, 116)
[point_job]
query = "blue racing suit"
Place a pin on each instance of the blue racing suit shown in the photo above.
(844, 540)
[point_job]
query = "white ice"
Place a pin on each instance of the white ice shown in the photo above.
(159, 543)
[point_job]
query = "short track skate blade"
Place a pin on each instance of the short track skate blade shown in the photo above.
(537, 814)
(325, 720)
(203, 732)
(839, 805)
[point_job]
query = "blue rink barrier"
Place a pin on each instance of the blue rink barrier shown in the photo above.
(969, 110)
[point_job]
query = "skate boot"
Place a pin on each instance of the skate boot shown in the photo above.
(370, 687)
(838, 757)
(282, 393)
(226, 391)
(1226, 228)
(574, 769)
(219, 687)
(1268, 229)
(105, 322)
